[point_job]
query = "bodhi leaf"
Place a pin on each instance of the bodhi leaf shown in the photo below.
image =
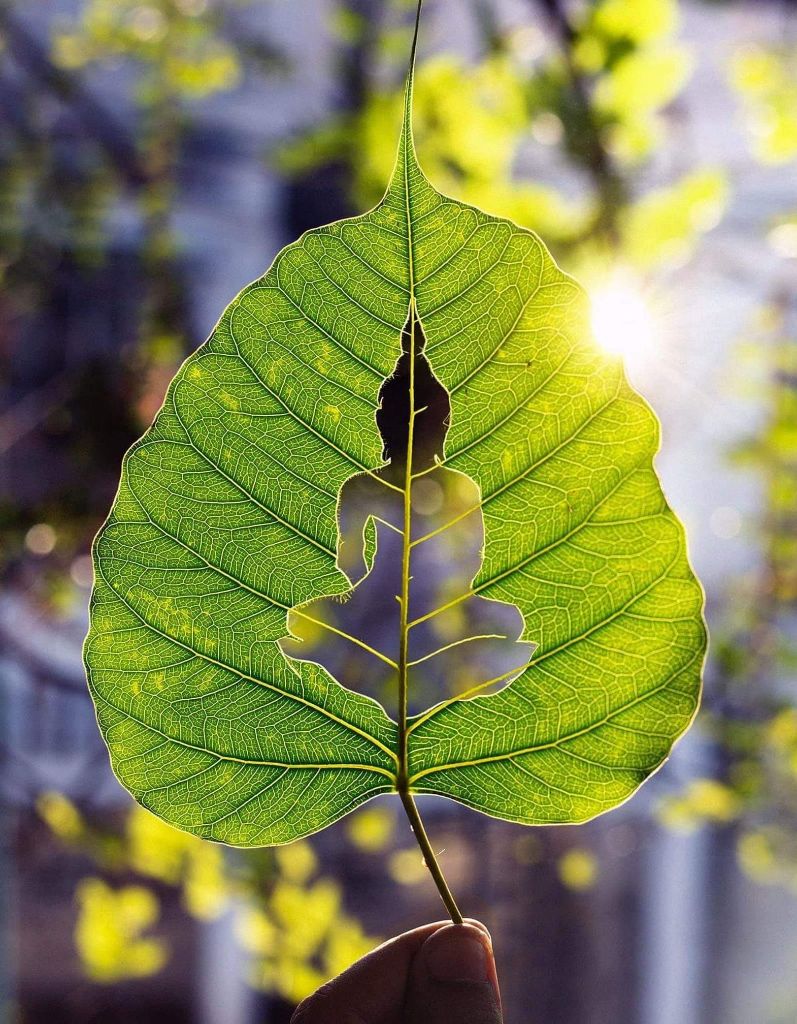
(226, 521)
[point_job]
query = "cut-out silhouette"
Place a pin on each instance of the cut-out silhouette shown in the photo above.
(457, 640)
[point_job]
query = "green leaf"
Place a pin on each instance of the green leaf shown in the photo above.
(225, 521)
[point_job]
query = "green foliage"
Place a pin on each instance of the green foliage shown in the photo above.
(173, 42)
(627, 50)
(471, 123)
(600, 98)
(226, 520)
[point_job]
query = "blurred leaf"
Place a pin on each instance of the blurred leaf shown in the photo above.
(643, 81)
(642, 21)
(293, 979)
(297, 862)
(176, 43)
(766, 81)
(756, 856)
(664, 225)
(60, 814)
(704, 800)
(638, 69)
(109, 928)
(156, 849)
(205, 887)
(256, 932)
(347, 24)
(300, 937)
(346, 944)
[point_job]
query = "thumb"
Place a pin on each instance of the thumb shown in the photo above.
(453, 979)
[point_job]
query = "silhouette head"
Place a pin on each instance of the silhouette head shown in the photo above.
(432, 407)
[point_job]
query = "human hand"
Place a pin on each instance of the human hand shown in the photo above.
(441, 973)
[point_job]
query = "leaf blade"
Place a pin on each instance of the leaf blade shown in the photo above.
(258, 433)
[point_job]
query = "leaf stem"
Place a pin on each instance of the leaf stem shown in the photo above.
(428, 856)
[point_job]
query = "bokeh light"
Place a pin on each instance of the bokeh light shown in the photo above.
(40, 539)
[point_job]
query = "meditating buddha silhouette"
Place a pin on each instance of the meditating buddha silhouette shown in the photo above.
(458, 641)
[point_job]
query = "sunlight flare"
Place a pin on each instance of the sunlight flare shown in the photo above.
(622, 322)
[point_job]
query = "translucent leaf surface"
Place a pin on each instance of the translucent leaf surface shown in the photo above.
(225, 521)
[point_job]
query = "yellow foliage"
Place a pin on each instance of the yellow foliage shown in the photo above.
(297, 861)
(589, 54)
(346, 943)
(643, 81)
(782, 730)
(300, 938)
(155, 848)
(663, 227)
(627, 46)
(69, 51)
(108, 932)
(756, 857)
(704, 800)
(292, 978)
(639, 20)
(304, 914)
(578, 869)
(256, 932)
(767, 81)
(631, 140)
(465, 117)
(755, 71)
(371, 829)
(60, 814)
(347, 25)
(767, 856)
(205, 886)
(470, 123)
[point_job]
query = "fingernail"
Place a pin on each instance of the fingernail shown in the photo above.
(457, 956)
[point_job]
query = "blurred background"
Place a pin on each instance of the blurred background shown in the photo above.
(154, 157)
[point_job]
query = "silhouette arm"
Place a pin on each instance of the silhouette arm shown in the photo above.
(353, 516)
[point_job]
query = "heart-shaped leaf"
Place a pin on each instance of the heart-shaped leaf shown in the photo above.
(226, 520)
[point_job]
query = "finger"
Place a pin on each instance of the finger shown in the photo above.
(453, 979)
(372, 991)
